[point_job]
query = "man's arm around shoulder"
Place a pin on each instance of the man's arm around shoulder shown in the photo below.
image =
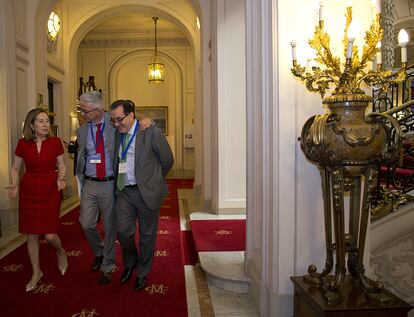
(163, 150)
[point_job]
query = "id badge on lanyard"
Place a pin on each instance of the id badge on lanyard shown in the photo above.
(122, 168)
(95, 158)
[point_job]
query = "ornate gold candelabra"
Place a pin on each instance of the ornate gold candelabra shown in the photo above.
(347, 145)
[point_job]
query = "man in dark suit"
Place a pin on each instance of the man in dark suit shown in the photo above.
(143, 160)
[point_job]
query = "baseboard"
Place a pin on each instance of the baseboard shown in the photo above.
(281, 304)
(268, 302)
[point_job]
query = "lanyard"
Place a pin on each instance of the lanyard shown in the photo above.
(99, 136)
(125, 149)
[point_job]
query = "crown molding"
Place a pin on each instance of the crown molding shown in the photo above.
(87, 43)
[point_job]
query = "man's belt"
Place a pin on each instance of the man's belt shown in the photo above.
(96, 179)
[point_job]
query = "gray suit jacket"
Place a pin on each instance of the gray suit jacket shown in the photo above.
(82, 134)
(153, 160)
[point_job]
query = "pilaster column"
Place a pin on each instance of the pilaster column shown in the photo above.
(270, 248)
(8, 129)
(228, 121)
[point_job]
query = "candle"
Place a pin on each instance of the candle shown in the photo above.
(404, 54)
(374, 11)
(349, 48)
(378, 6)
(351, 38)
(293, 44)
(379, 56)
(308, 65)
(321, 11)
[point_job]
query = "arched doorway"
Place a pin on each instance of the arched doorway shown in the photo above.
(80, 20)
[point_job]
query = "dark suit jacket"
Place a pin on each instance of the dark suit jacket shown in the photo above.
(153, 160)
(82, 134)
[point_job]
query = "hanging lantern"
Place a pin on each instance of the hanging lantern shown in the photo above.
(156, 68)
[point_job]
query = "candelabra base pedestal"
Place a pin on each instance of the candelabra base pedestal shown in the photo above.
(310, 301)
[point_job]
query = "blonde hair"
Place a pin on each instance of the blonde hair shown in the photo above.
(28, 131)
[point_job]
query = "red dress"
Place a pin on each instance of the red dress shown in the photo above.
(39, 198)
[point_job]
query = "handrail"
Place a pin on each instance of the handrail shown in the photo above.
(399, 108)
(398, 181)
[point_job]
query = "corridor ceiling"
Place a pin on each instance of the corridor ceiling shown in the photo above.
(134, 26)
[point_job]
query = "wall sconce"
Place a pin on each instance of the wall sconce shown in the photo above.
(156, 68)
(53, 26)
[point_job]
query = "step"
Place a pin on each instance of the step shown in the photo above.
(225, 270)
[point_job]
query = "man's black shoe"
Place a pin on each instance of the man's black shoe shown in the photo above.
(96, 264)
(105, 278)
(140, 283)
(126, 274)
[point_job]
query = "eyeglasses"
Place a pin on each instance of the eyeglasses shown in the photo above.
(118, 120)
(83, 112)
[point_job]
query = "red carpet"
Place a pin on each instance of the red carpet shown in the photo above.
(78, 292)
(189, 250)
(219, 235)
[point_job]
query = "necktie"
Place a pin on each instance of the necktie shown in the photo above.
(100, 149)
(120, 181)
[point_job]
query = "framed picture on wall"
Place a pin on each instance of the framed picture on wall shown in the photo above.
(158, 114)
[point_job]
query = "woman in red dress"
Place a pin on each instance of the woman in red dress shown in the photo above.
(39, 196)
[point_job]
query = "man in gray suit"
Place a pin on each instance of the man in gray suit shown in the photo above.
(95, 172)
(143, 160)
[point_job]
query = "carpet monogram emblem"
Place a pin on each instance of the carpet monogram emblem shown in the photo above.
(86, 313)
(166, 206)
(163, 232)
(44, 288)
(68, 223)
(42, 241)
(164, 217)
(223, 232)
(13, 268)
(74, 253)
(162, 253)
(157, 289)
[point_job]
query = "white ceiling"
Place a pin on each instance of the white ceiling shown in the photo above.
(134, 25)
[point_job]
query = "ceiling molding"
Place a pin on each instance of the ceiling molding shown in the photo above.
(129, 34)
(88, 43)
